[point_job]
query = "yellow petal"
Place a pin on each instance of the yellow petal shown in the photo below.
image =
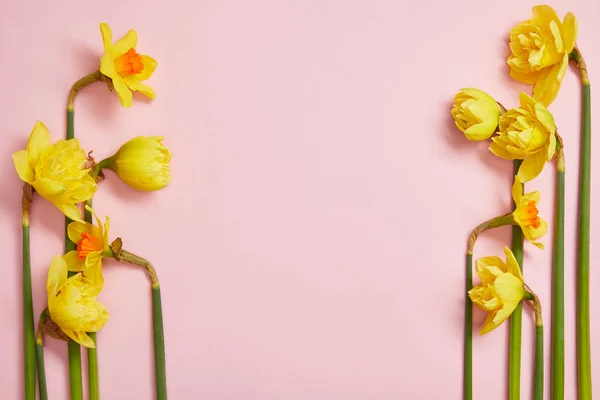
(138, 86)
(74, 264)
(547, 87)
(149, 67)
(569, 32)
(94, 273)
(47, 187)
(129, 41)
(105, 234)
(39, 141)
(106, 33)
(23, 167)
(517, 190)
(545, 14)
(529, 78)
(509, 288)
(500, 151)
(505, 312)
(489, 324)
(123, 91)
(107, 65)
(75, 229)
(511, 263)
(71, 211)
(57, 274)
(532, 166)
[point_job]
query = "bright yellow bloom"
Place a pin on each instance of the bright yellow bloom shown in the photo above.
(500, 291)
(92, 245)
(143, 163)
(475, 113)
(124, 66)
(540, 50)
(56, 171)
(527, 133)
(72, 303)
(526, 213)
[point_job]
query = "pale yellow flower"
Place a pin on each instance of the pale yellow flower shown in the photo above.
(142, 163)
(92, 246)
(124, 66)
(526, 133)
(73, 304)
(500, 291)
(540, 50)
(475, 113)
(56, 171)
(526, 213)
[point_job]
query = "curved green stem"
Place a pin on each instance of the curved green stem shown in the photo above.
(514, 358)
(468, 350)
(28, 323)
(558, 286)
(159, 344)
(157, 316)
(39, 352)
(538, 380)
(584, 362)
(75, 377)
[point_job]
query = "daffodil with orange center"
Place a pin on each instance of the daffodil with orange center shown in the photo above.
(526, 213)
(92, 246)
(125, 66)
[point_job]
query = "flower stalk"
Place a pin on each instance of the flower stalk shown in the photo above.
(28, 323)
(74, 350)
(538, 372)
(584, 362)
(39, 352)
(558, 277)
(514, 341)
(157, 318)
(502, 220)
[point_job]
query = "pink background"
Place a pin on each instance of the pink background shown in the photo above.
(311, 243)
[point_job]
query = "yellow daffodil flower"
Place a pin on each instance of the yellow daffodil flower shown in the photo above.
(540, 50)
(142, 163)
(500, 291)
(73, 304)
(124, 66)
(475, 113)
(92, 246)
(527, 133)
(526, 213)
(56, 171)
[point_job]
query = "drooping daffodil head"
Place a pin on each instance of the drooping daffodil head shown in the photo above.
(501, 289)
(526, 213)
(56, 171)
(143, 163)
(540, 49)
(73, 303)
(475, 114)
(92, 246)
(125, 67)
(527, 133)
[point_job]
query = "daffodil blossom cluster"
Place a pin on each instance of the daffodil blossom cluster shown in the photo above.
(526, 133)
(61, 173)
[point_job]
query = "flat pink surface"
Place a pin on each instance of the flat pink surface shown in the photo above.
(311, 243)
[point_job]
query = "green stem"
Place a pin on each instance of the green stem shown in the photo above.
(584, 362)
(93, 379)
(159, 344)
(28, 324)
(514, 362)
(558, 287)
(468, 350)
(157, 316)
(538, 381)
(75, 378)
(39, 352)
